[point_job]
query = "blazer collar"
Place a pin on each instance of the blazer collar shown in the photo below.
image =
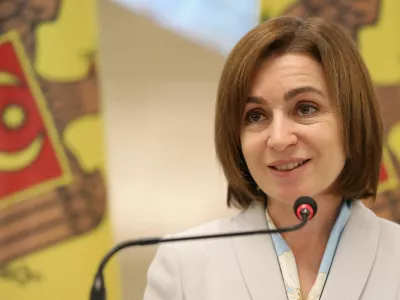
(354, 256)
(256, 256)
(260, 268)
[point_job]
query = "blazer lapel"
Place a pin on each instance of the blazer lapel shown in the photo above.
(354, 256)
(256, 256)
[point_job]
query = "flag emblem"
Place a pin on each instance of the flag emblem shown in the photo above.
(32, 160)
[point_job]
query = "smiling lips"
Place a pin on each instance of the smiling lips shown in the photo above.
(288, 165)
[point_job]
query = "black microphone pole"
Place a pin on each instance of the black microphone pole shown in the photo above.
(305, 208)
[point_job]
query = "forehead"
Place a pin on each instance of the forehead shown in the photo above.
(279, 73)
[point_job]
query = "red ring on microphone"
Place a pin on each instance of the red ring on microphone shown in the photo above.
(305, 206)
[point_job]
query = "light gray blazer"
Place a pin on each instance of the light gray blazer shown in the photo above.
(366, 265)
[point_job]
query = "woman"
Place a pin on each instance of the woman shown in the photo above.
(296, 115)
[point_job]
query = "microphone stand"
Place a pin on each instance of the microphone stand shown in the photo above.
(98, 291)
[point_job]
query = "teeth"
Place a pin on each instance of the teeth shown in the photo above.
(289, 166)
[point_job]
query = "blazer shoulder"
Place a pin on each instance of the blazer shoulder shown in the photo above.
(189, 247)
(390, 229)
(389, 248)
(215, 226)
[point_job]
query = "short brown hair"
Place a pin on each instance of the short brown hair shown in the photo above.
(350, 85)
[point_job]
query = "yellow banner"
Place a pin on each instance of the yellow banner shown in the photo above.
(54, 218)
(374, 26)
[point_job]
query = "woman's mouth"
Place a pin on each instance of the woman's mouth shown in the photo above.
(289, 166)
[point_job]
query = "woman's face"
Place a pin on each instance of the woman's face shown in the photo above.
(290, 133)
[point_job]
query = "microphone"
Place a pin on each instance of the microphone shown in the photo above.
(305, 208)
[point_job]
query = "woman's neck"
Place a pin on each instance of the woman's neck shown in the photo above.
(313, 237)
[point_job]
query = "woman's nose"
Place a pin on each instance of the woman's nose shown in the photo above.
(281, 134)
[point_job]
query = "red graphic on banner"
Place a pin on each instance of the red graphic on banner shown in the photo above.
(383, 174)
(29, 154)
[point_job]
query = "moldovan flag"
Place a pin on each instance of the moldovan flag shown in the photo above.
(374, 27)
(54, 220)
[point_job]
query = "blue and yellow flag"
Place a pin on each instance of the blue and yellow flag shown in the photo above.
(54, 220)
(374, 26)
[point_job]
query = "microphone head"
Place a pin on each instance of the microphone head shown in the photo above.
(305, 205)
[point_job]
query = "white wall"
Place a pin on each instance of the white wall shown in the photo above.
(159, 93)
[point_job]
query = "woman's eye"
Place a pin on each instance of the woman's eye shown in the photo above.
(254, 117)
(306, 109)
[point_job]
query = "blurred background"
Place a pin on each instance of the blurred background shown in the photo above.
(107, 111)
